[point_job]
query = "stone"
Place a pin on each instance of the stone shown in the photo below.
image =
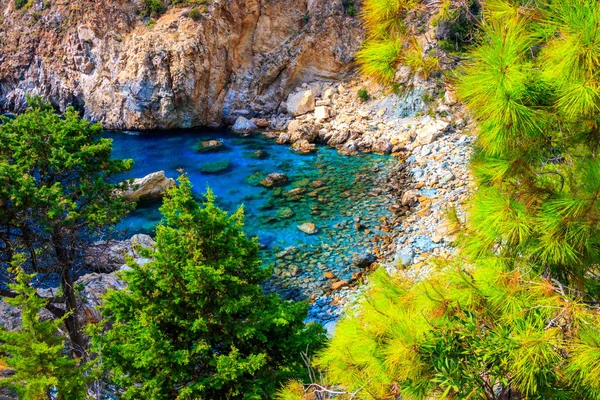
(323, 103)
(328, 94)
(409, 198)
(150, 187)
(285, 213)
(302, 146)
(259, 154)
(431, 131)
(261, 122)
(321, 113)
(339, 284)
(209, 146)
(109, 256)
(329, 275)
(404, 257)
(243, 126)
(382, 146)
(363, 259)
(300, 103)
(217, 167)
(274, 179)
(450, 97)
(309, 228)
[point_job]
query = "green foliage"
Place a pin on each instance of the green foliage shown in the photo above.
(534, 89)
(378, 59)
(154, 8)
(194, 323)
(55, 197)
(36, 352)
(151, 23)
(20, 4)
(195, 14)
(363, 95)
(466, 333)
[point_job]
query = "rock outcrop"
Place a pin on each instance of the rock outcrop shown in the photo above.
(150, 187)
(241, 58)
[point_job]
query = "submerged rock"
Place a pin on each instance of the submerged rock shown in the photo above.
(274, 179)
(216, 167)
(285, 213)
(150, 187)
(309, 228)
(209, 146)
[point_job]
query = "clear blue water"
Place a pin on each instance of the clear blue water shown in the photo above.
(350, 187)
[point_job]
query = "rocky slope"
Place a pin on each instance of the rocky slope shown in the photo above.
(239, 58)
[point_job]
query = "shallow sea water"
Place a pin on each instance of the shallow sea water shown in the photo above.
(350, 187)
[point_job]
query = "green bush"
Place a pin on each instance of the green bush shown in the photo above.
(154, 8)
(195, 14)
(194, 322)
(363, 95)
(20, 4)
(377, 59)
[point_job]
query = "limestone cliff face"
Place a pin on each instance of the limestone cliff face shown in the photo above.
(240, 57)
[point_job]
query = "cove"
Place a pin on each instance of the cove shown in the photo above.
(345, 197)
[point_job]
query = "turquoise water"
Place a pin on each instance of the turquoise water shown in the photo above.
(332, 190)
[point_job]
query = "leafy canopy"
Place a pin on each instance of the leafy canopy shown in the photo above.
(194, 322)
(36, 353)
(55, 197)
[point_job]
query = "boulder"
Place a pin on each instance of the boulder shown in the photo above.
(299, 130)
(382, 146)
(409, 197)
(274, 179)
(261, 122)
(431, 131)
(328, 94)
(300, 103)
(309, 228)
(339, 284)
(303, 147)
(109, 256)
(243, 126)
(150, 187)
(363, 259)
(322, 113)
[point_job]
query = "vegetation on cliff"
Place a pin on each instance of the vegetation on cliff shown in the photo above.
(514, 314)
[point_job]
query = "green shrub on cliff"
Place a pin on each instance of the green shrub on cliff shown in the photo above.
(194, 322)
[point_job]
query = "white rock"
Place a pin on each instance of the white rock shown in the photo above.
(431, 131)
(321, 113)
(300, 103)
(328, 94)
(152, 186)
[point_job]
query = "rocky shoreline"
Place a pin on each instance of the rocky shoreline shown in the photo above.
(431, 144)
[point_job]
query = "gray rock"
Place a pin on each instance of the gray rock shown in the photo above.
(243, 126)
(363, 259)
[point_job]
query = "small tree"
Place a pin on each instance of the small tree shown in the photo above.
(194, 322)
(54, 198)
(36, 353)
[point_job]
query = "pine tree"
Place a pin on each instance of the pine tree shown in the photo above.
(55, 198)
(36, 353)
(194, 322)
(515, 314)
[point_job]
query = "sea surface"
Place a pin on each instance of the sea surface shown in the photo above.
(344, 196)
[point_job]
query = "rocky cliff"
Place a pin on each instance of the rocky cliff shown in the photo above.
(241, 57)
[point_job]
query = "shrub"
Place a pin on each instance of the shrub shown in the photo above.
(151, 23)
(384, 18)
(194, 322)
(377, 58)
(20, 4)
(363, 95)
(154, 8)
(195, 14)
